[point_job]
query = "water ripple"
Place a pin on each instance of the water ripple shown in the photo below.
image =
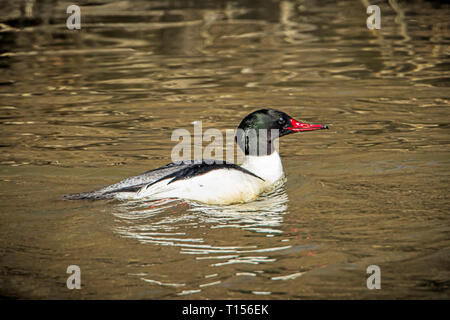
(161, 223)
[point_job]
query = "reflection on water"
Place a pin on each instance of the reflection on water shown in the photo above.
(145, 221)
(81, 109)
(262, 215)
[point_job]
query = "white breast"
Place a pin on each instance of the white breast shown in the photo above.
(267, 167)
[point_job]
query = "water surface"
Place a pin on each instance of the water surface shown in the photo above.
(80, 109)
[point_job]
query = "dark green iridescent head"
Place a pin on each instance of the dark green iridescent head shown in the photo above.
(257, 131)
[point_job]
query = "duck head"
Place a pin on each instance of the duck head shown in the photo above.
(257, 131)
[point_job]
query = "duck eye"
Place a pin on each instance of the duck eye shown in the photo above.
(281, 121)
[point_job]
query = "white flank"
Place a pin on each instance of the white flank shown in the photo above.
(219, 186)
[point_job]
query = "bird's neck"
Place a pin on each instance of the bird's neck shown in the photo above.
(268, 167)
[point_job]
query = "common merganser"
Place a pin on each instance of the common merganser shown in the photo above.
(212, 182)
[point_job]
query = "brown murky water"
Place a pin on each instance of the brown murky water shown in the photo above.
(80, 109)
